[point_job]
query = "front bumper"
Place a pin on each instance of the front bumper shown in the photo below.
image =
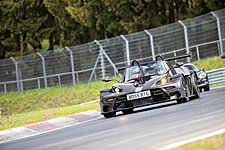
(203, 82)
(119, 102)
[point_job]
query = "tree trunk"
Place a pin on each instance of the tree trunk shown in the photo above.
(51, 42)
(18, 43)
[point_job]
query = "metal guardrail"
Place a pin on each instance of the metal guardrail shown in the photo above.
(216, 76)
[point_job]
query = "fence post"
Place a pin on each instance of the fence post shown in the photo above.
(43, 66)
(5, 89)
(127, 49)
(102, 59)
(197, 50)
(21, 86)
(175, 54)
(77, 77)
(152, 43)
(93, 70)
(72, 65)
(17, 73)
(219, 31)
(59, 79)
(39, 86)
(186, 39)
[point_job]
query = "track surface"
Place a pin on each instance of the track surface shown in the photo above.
(148, 128)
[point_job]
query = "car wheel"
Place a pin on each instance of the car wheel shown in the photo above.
(109, 115)
(207, 88)
(187, 92)
(195, 88)
(128, 111)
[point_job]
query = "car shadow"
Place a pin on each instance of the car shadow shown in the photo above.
(150, 107)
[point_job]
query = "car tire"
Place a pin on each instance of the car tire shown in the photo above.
(196, 90)
(128, 111)
(109, 115)
(207, 88)
(187, 97)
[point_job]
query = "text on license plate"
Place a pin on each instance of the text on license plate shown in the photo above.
(138, 95)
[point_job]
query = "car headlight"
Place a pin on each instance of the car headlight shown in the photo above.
(163, 80)
(117, 90)
(202, 75)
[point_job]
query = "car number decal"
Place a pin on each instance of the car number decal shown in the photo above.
(138, 95)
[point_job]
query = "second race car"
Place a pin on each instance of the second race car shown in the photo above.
(203, 81)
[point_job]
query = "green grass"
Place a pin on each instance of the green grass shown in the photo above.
(40, 99)
(16, 120)
(210, 63)
(213, 143)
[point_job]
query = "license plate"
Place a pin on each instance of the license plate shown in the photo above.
(138, 95)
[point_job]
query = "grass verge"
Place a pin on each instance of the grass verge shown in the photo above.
(210, 63)
(16, 120)
(215, 142)
(41, 99)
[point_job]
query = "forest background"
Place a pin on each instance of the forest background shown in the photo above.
(29, 26)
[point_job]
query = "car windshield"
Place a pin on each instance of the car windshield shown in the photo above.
(191, 67)
(150, 69)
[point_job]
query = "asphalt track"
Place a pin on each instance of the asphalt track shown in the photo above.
(147, 128)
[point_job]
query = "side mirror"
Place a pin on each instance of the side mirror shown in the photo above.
(178, 64)
(106, 80)
(223, 56)
(201, 69)
(175, 76)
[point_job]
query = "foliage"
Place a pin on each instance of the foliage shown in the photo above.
(25, 24)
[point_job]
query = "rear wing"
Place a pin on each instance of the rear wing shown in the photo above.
(159, 57)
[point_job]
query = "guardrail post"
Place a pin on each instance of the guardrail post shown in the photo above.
(127, 49)
(21, 86)
(59, 79)
(77, 77)
(152, 43)
(5, 89)
(17, 73)
(95, 76)
(39, 86)
(174, 53)
(219, 31)
(72, 65)
(186, 39)
(43, 66)
(102, 59)
(197, 50)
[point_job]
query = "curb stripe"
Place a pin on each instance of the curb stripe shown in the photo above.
(48, 125)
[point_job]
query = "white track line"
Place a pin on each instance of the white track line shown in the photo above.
(174, 145)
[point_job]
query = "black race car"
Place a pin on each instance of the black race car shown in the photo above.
(203, 81)
(149, 83)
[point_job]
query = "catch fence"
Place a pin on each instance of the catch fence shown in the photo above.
(202, 36)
